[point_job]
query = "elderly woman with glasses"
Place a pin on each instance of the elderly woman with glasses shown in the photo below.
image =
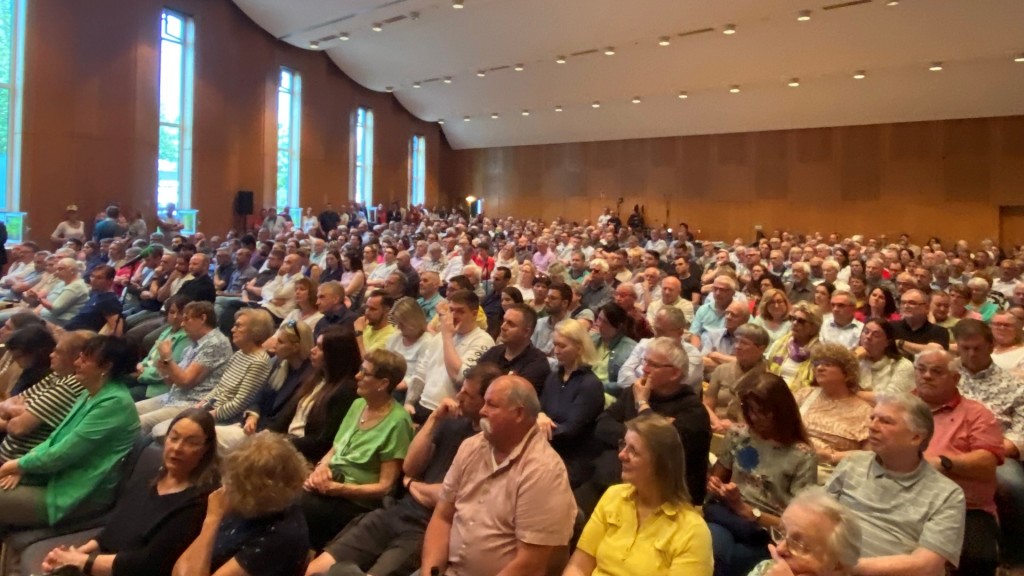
(790, 355)
(815, 536)
(773, 313)
(835, 417)
(1008, 352)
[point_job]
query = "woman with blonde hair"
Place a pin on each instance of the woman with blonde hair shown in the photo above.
(527, 274)
(305, 308)
(790, 355)
(835, 416)
(646, 525)
(773, 313)
(1008, 353)
(409, 338)
(571, 400)
(253, 523)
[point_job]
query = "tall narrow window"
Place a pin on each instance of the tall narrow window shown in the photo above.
(174, 158)
(12, 26)
(289, 125)
(362, 157)
(417, 170)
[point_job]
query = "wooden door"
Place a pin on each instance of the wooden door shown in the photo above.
(1011, 227)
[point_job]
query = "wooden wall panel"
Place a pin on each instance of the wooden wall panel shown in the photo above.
(932, 178)
(90, 115)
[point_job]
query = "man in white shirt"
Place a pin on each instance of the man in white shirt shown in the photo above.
(380, 272)
(278, 295)
(439, 373)
(840, 326)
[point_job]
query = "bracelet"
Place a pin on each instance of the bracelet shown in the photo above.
(87, 567)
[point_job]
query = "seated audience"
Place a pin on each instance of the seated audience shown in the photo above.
(29, 418)
(66, 299)
(516, 354)
(30, 347)
(840, 326)
(722, 396)
(556, 309)
(914, 333)
(959, 298)
(612, 344)
(882, 368)
(711, 314)
(10, 370)
(409, 339)
(912, 516)
(200, 369)
(366, 460)
(881, 304)
(980, 303)
(149, 382)
(305, 309)
(74, 472)
(662, 390)
(790, 356)
(387, 541)
(815, 535)
(670, 325)
(648, 524)
(1008, 341)
(718, 345)
(508, 472)
(773, 313)
(154, 519)
(374, 327)
(763, 465)
(330, 301)
(102, 311)
(253, 524)
(836, 419)
(571, 400)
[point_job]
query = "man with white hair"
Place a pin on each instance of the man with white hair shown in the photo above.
(711, 314)
(800, 289)
(598, 290)
(668, 323)
(912, 516)
(671, 295)
(505, 506)
(1009, 278)
(840, 326)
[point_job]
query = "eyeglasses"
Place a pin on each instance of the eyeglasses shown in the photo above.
(911, 303)
(629, 450)
(779, 536)
(656, 365)
(797, 320)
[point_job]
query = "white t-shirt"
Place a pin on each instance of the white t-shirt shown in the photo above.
(431, 384)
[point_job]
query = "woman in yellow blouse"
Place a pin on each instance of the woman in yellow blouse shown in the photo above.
(646, 526)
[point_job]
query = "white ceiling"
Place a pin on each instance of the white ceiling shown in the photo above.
(977, 40)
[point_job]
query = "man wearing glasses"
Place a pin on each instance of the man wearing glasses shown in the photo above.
(914, 333)
(840, 326)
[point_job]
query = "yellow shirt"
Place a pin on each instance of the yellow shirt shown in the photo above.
(373, 339)
(673, 540)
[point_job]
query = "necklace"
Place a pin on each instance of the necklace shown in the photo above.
(372, 415)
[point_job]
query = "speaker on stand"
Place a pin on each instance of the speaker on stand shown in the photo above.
(243, 209)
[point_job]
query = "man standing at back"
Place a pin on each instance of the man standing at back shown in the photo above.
(505, 505)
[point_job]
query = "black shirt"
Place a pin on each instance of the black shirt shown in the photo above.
(531, 364)
(93, 314)
(448, 436)
(574, 405)
(199, 289)
(341, 317)
(928, 333)
(272, 545)
(690, 286)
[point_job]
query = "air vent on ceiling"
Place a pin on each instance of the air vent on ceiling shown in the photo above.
(394, 19)
(695, 32)
(585, 52)
(850, 4)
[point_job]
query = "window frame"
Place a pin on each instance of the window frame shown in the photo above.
(186, 103)
(293, 151)
(417, 170)
(10, 200)
(362, 158)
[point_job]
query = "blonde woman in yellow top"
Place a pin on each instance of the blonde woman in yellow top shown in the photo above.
(646, 526)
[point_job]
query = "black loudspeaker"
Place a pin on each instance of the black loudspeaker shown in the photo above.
(243, 203)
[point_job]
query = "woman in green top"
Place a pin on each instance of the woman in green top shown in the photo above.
(75, 471)
(151, 383)
(366, 460)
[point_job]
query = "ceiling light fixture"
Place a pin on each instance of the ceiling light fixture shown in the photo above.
(558, 108)
(519, 67)
(526, 112)
(729, 29)
(636, 99)
(1019, 58)
(416, 84)
(936, 67)
(609, 51)
(481, 73)
(465, 118)
(893, 3)
(313, 45)
(389, 88)
(596, 104)
(735, 89)
(664, 41)
(803, 16)
(441, 121)
(494, 116)
(343, 36)
(458, 4)
(794, 82)
(560, 59)
(860, 75)
(377, 27)
(683, 95)
(447, 80)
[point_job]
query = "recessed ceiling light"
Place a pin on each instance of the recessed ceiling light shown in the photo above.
(494, 116)
(636, 99)
(343, 36)
(664, 41)
(481, 73)
(447, 80)
(519, 67)
(803, 16)
(465, 118)
(860, 75)
(458, 4)
(683, 95)
(893, 3)
(377, 27)
(794, 82)
(1019, 58)
(596, 104)
(558, 108)
(735, 89)
(609, 51)
(389, 88)
(560, 59)
(441, 121)
(313, 45)
(729, 29)
(416, 84)
(936, 67)
(526, 112)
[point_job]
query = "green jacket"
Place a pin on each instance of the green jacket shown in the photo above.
(80, 459)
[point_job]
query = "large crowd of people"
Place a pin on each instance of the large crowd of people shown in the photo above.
(402, 390)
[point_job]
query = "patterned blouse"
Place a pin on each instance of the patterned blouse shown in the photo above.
(840, 424)
(767, 473)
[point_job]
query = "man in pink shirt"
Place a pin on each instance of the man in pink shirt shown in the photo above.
(967, 446)
(505, 505)
(544, 256)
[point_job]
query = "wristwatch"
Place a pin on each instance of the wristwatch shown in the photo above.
(946, 463)
(757, 513)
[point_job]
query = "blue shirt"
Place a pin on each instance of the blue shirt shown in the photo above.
(93, 314)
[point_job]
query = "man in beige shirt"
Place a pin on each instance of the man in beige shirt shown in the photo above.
(506, 506)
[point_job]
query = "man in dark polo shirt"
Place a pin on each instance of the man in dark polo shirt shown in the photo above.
(330, 301)
(516, 354)
(388, 540)
(914, 333)
(103, 308)
(200, 288)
